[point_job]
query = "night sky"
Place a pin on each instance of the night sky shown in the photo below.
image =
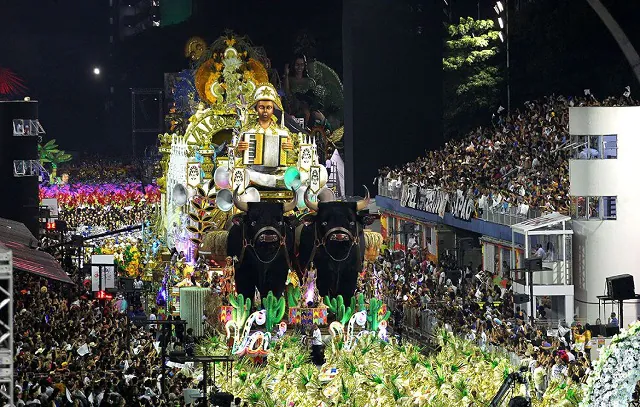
(55, 44)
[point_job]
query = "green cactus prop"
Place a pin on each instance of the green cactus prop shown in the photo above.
(373, 317)
(335, 306)
(293, 296)
(241, 308)
(275, 310)
(361, 305)
(349, 311)
(331, 304)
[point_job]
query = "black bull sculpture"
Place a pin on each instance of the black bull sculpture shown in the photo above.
(262, 239)
(333, 239)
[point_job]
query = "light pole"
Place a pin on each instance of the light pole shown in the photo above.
(504, 25)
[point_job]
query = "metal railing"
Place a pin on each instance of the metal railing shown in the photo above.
(508, 216)
(421, 325)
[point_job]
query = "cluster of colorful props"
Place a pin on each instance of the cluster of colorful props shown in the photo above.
(117, 195)
(126, 252)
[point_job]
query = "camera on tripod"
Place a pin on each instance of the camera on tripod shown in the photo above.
(510, 383)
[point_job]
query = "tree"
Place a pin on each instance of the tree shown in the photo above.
(50, 153)
(472, 74)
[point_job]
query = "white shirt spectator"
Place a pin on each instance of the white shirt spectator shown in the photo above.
(558, 372)
(317, 337)
(152, 317)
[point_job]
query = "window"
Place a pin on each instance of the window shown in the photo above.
(609, 207)
(595, 147)
(593, 207)
(610, 147)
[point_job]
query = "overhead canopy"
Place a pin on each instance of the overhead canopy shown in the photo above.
(17, 238)
(17, 232)
(540, 222)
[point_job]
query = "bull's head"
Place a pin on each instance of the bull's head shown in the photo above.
(263, 223)
(337, 222)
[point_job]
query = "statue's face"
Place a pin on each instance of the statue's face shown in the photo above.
(265, 109)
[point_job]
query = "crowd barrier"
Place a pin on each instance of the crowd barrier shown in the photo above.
(422, 326)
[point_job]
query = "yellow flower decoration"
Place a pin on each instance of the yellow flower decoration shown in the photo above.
(257, 69)
(209, 96)
(202, 76)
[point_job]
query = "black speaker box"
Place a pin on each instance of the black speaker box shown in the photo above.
(520, 298)
(534, 264)
(621, 287)
(23, 204)
(222, 399)
(126, 284)
(598, 330)
(611, 330)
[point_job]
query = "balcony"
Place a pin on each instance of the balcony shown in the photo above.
(498, 214)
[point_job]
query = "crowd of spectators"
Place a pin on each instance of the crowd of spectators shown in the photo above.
(520, 159)
(479, 307)
(94, 219)
(72, 350)
(98, 170)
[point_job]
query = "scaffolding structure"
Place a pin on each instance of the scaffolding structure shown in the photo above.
(6, 326)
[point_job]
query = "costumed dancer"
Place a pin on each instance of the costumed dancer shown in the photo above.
(228, 278)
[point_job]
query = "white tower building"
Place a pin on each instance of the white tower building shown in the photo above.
(604, 174)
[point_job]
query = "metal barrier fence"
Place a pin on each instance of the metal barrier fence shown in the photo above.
(503, 216)
(422, 326)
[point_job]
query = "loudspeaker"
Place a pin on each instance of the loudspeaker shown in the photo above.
(222, 399)
(520, 298)
(23, 203)
(598, 330)
(534, 264)
(126, 284)
(611, 330)
(621, 287)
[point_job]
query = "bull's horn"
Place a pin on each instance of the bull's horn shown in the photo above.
(289, 206)
(363, 203)
(243, 206)
(311, 205)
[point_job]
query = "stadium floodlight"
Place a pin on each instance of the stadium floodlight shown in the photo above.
(501, 36)
(500, 7)
(500, 22)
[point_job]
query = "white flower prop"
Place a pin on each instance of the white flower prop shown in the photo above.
(616, 373)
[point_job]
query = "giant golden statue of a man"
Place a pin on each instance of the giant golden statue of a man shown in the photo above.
(266, 148)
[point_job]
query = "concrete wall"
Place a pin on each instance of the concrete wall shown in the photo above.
(603, 248)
